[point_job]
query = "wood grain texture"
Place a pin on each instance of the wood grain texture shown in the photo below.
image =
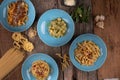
(68, 73)
(111, 68)
(111, 10)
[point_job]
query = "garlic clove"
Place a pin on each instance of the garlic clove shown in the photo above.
(102, 17)
(97, 18)
(100, 24)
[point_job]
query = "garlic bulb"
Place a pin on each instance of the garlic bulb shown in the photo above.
(99, 18)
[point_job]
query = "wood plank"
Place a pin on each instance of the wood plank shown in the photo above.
(42, 6)
(93, 75)
(109, 8)
(68, 73)
(5, 38)
(87, 28)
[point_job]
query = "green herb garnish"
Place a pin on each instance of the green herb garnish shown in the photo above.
(81, 14)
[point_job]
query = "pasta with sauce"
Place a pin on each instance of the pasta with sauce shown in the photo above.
(87, 52)
(40, 70)
(17, 13)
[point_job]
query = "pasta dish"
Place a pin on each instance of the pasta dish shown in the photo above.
(87, 53)
(17, 13)
(40, 70)
(58, 28)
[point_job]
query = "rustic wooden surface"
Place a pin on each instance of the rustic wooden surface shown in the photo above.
(111, 67)
(110, 8)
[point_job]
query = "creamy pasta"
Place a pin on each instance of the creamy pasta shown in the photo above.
(58, 28)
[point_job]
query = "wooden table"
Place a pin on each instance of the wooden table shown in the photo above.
(111, 67)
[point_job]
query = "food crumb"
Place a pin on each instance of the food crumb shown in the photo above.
(32, 33)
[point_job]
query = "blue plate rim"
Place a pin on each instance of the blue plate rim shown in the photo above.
(79, 67)
(40, 54)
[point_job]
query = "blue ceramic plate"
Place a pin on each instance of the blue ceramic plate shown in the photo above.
(26, 75)
(43, 24)
(96, 40)
(3, 16)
